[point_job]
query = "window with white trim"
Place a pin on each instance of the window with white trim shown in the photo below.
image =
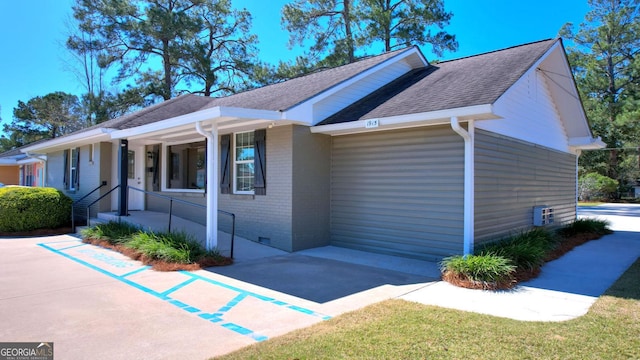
(243, 163)
(186, 166)
(28, 175)
(73, 168)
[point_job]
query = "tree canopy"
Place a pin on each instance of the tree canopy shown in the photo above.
(43, 117)
(168, 46)
(338, 32)
(604, 54)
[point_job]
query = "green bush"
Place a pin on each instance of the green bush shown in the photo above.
(526, 250)
(480, 268)
(586, 226)
(113, 232)
(161, 246)
(29, 208)
(595, 186)
(177, 247)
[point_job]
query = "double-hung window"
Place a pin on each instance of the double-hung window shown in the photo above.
(243, 163)
(28, 175)
(244, 170)
(71, 169)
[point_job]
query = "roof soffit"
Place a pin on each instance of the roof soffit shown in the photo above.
(411, 58)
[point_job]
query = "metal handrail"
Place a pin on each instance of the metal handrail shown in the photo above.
(73, 215)
(98, 199)
(172, 200)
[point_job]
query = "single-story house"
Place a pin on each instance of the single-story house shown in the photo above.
(390, 154)
(18, 168)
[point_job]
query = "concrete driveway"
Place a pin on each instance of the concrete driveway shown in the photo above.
(95, 303)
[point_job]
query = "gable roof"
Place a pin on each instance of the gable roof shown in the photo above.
(469, 81)
(287, 94)
(400, 87)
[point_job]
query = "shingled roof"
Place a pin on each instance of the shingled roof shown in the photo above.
(276, 97)
(469, 81)
(285, 95)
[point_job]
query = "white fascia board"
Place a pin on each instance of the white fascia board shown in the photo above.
(557, 46)
(304, 110)
(213, 114)
(85, 137)
(477, 112)
(31, 160)
(8, 162)
(587, 143)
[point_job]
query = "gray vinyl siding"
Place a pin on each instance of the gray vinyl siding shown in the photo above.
(399, 192)
(511, 177)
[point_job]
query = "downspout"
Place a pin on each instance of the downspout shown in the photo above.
(578, 153)
(211, 184)
(469, 194)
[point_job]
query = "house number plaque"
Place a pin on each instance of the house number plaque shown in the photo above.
(373, 123)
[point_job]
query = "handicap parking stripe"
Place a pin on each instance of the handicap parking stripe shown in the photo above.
(216, 317)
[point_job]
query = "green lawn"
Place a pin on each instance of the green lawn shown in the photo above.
(397, 329)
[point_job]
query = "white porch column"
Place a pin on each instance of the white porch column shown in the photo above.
(212, 184)
(469, 192)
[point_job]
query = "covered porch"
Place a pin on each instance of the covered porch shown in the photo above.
(243, 249)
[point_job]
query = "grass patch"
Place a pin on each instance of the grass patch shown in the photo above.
(398, 329)
(589, 203)
(164, 251)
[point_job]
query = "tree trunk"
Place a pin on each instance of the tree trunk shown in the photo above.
(346, 15)
(387, 28)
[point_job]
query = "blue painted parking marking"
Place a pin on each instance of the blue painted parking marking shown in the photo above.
(178, 287)
(216, 318)
(136, 271)
(73, 246)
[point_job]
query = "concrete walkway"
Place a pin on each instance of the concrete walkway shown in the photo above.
(566, 288)
(96, 303)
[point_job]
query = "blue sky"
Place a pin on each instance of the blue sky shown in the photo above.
(34, 62)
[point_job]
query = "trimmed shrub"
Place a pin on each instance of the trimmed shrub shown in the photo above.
(29, 208)
(596, 186)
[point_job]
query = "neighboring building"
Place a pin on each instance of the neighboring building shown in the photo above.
(17, 168)
(390, 154)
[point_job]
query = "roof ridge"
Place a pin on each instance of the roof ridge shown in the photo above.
(321, 70)
(499, 50)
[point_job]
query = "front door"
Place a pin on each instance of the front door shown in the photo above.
(135, 170)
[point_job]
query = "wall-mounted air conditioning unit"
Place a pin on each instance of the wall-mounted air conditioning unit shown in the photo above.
(542, 215)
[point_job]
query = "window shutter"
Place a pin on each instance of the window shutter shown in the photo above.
(260, 162)
(76, 180)
(225, 164)
(156, 164)
(65, 169)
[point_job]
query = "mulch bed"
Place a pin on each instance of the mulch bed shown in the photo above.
(520, 275)
(159, 265)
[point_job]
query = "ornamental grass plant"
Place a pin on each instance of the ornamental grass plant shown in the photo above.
(524, 254)
(163, 250)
